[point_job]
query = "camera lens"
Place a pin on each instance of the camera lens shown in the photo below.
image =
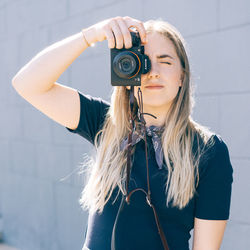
(126, 64)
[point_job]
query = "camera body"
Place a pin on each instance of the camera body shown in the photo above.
(127, 65)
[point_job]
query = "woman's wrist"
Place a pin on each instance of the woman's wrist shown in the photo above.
(84, 37)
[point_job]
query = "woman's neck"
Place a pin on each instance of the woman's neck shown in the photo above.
(159, 112)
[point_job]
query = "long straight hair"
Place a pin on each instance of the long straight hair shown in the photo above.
(106, 169)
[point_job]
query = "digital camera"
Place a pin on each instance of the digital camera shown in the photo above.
(127, 65)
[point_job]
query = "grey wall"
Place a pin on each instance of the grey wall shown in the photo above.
(39, 159)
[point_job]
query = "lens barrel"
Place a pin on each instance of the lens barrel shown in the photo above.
(126, 64)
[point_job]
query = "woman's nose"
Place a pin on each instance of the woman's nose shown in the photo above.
(154, 71)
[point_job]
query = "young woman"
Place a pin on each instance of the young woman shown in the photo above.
(190, 172)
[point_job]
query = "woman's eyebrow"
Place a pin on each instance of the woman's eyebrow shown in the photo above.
(164, 56)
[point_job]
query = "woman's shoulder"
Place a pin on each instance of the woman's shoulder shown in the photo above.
(213, 193)
(215, 146)
(216, 157)
(93, 111)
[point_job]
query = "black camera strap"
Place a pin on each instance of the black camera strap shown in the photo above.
(128, 171)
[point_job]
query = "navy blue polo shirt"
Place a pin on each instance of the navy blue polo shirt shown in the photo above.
(136, 227)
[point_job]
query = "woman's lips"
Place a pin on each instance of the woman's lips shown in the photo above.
(154, 87)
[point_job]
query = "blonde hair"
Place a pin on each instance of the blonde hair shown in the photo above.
(107, 170)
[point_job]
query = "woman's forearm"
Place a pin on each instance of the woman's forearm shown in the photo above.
(42, 71)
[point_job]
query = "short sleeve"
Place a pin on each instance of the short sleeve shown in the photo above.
(92, 115)
(213, 196)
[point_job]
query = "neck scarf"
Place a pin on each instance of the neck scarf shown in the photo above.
(154, 132)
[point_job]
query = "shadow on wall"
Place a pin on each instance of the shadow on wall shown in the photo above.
(3, 246)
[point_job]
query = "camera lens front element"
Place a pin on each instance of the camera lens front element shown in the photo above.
(126, 64)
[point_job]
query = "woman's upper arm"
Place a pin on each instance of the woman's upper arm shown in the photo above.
(208, 234)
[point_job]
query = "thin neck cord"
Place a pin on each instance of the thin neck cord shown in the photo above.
(141, 118)
(148, 194)
(145, 136)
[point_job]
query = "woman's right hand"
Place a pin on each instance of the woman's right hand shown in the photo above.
(116, 30)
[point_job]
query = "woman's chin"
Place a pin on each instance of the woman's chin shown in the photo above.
(154, 103)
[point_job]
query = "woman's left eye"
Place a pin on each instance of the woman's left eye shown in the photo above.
(167, 63)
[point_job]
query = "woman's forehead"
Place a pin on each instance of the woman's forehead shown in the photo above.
(159, 45)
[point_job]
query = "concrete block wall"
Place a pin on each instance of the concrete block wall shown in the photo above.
(39, 159)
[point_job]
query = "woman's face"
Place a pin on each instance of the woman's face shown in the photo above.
(165, 71)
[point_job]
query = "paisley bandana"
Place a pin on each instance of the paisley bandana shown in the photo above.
(154, 132)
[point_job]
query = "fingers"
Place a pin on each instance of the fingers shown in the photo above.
(110, 37)
(125, 32)
(139, 27)
(118, 34)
